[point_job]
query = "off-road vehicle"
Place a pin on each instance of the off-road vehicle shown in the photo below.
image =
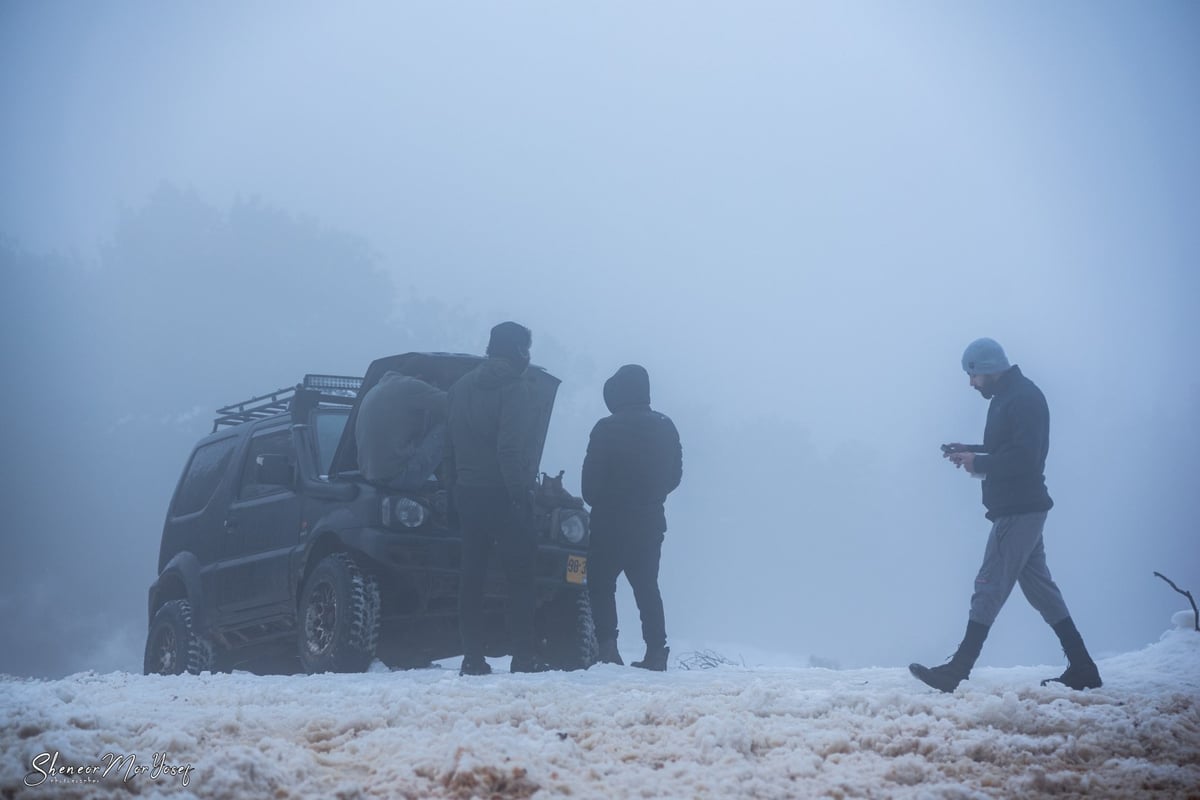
(277, 553)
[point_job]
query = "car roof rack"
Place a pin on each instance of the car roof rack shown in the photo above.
(337, 389)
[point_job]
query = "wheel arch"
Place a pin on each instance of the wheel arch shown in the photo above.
(179, 580)
(356, 542)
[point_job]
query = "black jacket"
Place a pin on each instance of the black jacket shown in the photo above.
(634, 459)
(488, 430)
(1016, 440)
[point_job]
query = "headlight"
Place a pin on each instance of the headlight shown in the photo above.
(404, 512)
(572, 527)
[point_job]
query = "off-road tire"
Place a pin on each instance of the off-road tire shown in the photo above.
(566, 633)
(173, 646)
(338, 618)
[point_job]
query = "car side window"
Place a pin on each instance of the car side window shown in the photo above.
(329, 425)
(279, 444)
(203, 474)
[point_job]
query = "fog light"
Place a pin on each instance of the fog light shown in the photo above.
(572, 528)
(404, 511)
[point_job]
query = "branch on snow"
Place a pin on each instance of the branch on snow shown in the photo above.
(1188, 595)
(706, 659)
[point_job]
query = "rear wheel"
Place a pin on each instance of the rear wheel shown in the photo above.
(338, 617)
(566, 634)
(173, 645)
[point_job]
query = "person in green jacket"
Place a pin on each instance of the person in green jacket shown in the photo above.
(491, 471)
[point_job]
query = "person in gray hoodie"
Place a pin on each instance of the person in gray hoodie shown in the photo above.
(400, 432)
(634, 460)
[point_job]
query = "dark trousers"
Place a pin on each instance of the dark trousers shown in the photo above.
(486, 518)
(637, 554)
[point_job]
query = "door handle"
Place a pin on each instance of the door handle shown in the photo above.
(230, 526)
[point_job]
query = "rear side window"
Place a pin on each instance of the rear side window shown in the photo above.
(203, 474)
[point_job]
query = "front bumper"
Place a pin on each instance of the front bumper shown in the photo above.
(439, 555)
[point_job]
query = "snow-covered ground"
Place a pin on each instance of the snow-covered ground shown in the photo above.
(610, 732)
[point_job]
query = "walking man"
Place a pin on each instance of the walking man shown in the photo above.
(490, 473)
(1012, 462)
(633, 462)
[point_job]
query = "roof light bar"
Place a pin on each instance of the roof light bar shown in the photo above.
(333, 384)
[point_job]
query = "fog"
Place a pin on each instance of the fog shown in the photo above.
(795, 216)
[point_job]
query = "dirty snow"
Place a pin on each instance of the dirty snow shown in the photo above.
(723, 732)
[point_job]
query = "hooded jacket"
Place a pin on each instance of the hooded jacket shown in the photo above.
(489, 429)
(634, 458)
(1016, 439)
(393, 417)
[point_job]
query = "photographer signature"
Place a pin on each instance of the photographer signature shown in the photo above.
(46, 767)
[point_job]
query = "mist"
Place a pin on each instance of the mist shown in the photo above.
(794, 216)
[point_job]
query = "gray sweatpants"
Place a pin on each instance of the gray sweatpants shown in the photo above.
(1014, 555)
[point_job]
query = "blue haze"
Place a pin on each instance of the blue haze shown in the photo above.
(794, 215)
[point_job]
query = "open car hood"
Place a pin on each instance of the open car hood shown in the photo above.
(443, 369)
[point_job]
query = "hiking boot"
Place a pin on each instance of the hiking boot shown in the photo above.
(609, 653)
(1081, 672)
(947, 677)
(527, 664)
(474, 665)
(1078, 676)
(656, 659)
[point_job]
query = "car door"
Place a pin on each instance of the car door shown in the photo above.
(197, 513)
(261, 529)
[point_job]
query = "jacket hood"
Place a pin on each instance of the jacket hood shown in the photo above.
(630, 386)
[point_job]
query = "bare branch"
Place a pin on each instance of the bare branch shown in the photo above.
(706, 659)
(1188, 595)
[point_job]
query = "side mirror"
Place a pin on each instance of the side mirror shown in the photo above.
(273, 469)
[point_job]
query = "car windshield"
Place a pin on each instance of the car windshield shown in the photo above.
(329, 424)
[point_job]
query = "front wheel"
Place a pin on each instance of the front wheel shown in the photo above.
(566, 633)
(173, 646)
(338, 617)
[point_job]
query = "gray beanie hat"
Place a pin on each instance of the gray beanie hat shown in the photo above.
(984, 357)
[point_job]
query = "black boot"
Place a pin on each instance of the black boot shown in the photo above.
(527, 664)
(609, 653)
(474, 665)
(656, 659)
(1081, 672)
(947, 676)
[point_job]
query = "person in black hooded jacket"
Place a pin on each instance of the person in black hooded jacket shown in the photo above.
(634, 460)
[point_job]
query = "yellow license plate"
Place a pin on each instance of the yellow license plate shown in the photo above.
(576, 569)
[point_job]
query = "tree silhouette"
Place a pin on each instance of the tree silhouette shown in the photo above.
(114, 372)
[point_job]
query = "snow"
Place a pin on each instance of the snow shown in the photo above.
(723, 732)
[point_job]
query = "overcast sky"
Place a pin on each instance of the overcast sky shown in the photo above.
(794, 215)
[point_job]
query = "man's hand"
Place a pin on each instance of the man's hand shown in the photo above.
(964, 459)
